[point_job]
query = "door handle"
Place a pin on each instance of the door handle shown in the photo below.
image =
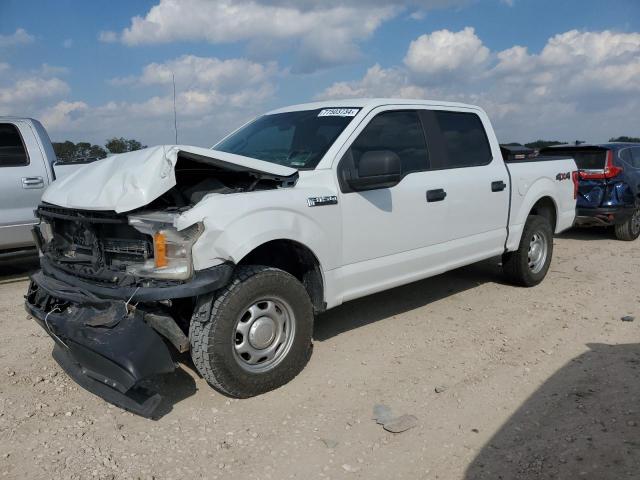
(32, 182)
(498, 186)
(436, 195)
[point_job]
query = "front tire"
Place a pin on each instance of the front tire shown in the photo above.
(629, 230)
(254, 335)
(528, 265)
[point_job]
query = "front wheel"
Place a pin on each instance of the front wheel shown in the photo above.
(528, 265)
(254, 335)
(629, 230)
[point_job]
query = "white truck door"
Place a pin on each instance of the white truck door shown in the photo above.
(476, 183)
(386, 232)
(23, 178)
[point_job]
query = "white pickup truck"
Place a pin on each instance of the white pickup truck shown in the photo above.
(27, 166)
(230, 251)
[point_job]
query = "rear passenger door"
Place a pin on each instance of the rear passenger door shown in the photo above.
(476, 183)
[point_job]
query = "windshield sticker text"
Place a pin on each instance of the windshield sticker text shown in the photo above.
(339, 112)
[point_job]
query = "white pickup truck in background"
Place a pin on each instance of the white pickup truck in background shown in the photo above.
(27, 167)
(230, 251)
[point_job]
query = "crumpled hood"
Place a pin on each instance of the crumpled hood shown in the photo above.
(132, 180)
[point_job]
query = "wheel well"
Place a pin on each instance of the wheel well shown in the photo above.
(294, 258)
(545, 207)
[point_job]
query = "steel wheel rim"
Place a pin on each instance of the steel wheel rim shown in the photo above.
(538, 250)
(263, 334)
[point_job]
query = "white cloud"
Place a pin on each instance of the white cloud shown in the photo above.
(574, 66)
(443, 52)
(60, 114)
(194, 71)
(26, 92)
(68, 43)
(377, 82)
(203, 83)
(321, 33)
(108, 36)
(19, 37)
(212, 97)
(581, 84)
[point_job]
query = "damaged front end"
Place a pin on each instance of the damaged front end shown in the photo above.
(117, 283)
(114, 292)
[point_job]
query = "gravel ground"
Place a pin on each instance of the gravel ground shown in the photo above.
(505, 382)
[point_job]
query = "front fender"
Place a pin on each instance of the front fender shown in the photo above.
(255, 228)
(237, 224)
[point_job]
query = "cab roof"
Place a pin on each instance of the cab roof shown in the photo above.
(369, 103)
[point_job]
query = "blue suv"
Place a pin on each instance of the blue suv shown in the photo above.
(609, 185)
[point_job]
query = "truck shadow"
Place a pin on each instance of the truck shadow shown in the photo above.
(173, 388)
(379, 306)
(583, 422)
(589, 233)
(18, 269)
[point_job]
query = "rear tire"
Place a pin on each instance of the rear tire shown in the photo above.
(629, 230)
(528, 265)
(254, 335)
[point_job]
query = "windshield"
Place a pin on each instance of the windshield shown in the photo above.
(294, 139)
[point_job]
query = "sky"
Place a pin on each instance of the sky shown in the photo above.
(557, 70)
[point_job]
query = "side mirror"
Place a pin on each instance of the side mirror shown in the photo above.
(376, 169)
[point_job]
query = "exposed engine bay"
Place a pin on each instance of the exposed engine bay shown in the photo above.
(123, 248)
(197, 177)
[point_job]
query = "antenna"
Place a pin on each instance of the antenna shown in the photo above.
(175, 115)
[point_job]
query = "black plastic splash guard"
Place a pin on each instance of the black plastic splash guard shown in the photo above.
(104, 348)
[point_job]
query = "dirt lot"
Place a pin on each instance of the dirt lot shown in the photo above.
(536, 383)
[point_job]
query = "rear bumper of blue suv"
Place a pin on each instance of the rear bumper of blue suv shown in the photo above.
(604, 202)
(603, 216)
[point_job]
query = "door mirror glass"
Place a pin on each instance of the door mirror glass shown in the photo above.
(376, 169)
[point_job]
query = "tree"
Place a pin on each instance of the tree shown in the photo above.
(97, 151)
(122, 145)
(625, 139)
(65, 151)
(68, 151)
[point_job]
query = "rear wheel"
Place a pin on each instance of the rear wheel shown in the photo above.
(629, 230)
(528, 265)
(253, 335)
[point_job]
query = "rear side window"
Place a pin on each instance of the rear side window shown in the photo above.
(398, 131)
(465, 140)
(12, 151)
(631, 156)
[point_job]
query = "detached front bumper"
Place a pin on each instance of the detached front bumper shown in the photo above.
(103, 345)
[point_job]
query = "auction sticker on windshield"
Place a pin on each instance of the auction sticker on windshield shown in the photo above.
(339, 112)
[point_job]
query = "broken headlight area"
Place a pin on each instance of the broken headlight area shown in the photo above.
(171, 247)
(113, 248)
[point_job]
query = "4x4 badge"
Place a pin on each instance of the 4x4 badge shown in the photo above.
(321, 201)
